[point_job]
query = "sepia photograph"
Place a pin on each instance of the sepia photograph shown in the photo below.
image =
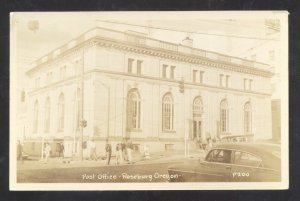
(149, 100)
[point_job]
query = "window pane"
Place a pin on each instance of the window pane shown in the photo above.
(246, 159)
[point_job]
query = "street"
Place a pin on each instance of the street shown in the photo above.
(89, 171)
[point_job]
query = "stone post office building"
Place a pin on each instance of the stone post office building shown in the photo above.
(150, 91)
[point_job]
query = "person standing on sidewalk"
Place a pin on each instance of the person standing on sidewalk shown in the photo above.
(129, 151)
(124, 151)
(20, 151)
(108, 151)
(119, 153)
(61, 150)
(47, 152)
(93, 155)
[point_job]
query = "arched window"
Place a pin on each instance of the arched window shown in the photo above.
(197, 106)
(224, 116)
(61, 112)
(197, 118)
(167, 112)
(133, 110)
(35, 116)
(247, 118)
(47, 114)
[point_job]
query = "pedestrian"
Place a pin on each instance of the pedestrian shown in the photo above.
(119, 156)
(93, 155)
(61, 150)
(20, 151)
(200, 143)
(129, 151)
(209, 145)
(124, 151)
(47, 152)
(108, 151)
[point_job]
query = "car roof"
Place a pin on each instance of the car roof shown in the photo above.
(269, 153)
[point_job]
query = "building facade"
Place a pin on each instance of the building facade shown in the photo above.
(127, 85)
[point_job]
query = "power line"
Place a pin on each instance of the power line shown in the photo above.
(191, 32)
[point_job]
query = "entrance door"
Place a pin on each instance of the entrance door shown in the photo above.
(197, 129)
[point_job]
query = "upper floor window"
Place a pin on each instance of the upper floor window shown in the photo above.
(130, 65)
(224, 116)
(194, 75)
(37, 82)
(62, 72)
(227, 80)
(172, 70)
(164, 71)
(139, 67)
(245, 83)
(49, 78)
(61, 112)
(201, 76)
(221, 77)
(167, 113)
(250, 84)
(133, 110)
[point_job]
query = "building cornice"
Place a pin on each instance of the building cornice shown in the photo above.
(181, 57)
(174, 52)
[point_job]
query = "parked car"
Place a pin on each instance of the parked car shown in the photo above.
(236, 162)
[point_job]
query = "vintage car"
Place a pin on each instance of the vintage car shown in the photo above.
(236, 162)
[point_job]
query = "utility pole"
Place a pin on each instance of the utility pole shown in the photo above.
(181, 90)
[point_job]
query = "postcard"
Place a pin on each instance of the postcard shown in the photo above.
(149, 100)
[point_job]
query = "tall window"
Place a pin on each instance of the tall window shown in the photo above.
(224, 116)
(245, 83)
(197, 106)
(164, 73)
(247, 118)
(47, 114)
(250, 84)
(167, 112)
(139, 67)
(61, 112)
(62, 72)
(172, 72)
(201, 76)
(221, 80)
(133, 110)
(130, 63)
(49, 78)
(37, 82)
(227, 80)
(194, 75)
(35, 116)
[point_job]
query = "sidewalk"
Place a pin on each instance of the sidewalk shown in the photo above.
(138, 159)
